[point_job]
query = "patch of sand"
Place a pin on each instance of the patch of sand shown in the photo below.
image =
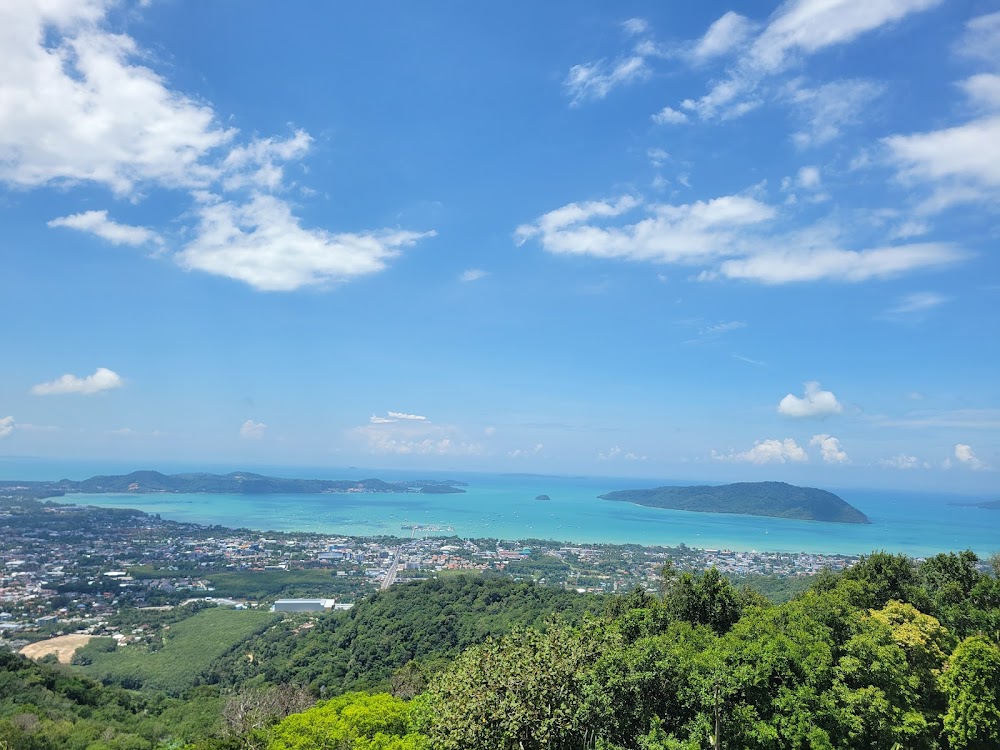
(63, 646)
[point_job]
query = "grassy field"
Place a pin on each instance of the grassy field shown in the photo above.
(189, 647)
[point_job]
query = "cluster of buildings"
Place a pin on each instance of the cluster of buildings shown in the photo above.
(65, 568)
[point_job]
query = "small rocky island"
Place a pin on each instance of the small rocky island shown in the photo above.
(543, 498)
(776, 499)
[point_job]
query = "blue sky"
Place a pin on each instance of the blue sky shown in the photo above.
(670, 240)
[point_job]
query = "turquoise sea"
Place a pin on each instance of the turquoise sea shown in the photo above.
(505, 506)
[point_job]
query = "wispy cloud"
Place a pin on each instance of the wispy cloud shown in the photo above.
(595, 80)
(917, 302)
(98, 223)
(473, 274)
(7, 426)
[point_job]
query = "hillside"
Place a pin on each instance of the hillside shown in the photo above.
(776, 499)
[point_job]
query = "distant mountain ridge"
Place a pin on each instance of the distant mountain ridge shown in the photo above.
(236, 482)
(774, 499)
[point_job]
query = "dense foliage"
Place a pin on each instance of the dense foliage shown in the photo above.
(425, 622)
(889, 654)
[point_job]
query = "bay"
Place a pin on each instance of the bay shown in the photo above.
(505, 507)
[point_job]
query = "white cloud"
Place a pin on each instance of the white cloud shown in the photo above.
(405, 435)
(963, 161)
(635, 26)
(830, 449)
(97, 222)
(410, 417)
(815, 402)
(473, 274)
(669, 116)
(827, 109)
(7, 426)
(381, 420)
(613, 453)
(684, 233)
(657, 156)
(798, 28)
(917, 302)
(981, 41)
(262, 244)
(983, 90)
(257, 164)
(102, 379)
(730, 230)
(726, 34)
(808, 177)
(525, 452)
(595, 80)
(766, 452)
(251, 430)
(902, 461)
(967, 457)
(78, 106)
(834, 264)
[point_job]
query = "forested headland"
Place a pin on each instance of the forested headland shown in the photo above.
(889, 653)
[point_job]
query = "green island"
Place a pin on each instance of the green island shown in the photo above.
(775, 499)
(236, 482)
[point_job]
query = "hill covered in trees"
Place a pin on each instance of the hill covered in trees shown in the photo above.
(237, 482)
(776, 499)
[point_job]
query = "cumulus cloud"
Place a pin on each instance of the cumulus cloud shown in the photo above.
(967, 457)
(830, 449)
(381, 420)
(251, 430)
(7, 426)
(79, 106)
(411, 417)
(473, 274)
(669, 116)
(815, 402)
(262, 243)
(102, 379)
(766, 452)
(98, 223)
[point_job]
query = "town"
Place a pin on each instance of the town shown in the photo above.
(67, 568)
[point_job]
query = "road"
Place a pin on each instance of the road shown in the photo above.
(390, 574)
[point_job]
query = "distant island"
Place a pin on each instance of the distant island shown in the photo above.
(988, 505)
(776, 499)
(237, 482)
(543, 498)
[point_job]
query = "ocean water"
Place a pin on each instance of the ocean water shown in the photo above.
(505, 507)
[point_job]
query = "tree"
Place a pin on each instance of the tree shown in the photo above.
(358, 721)
(972, 685)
